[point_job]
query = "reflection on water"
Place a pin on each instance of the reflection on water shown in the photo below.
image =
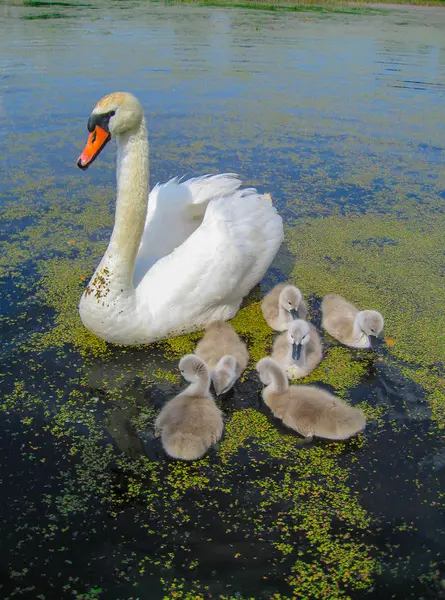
(331, 114)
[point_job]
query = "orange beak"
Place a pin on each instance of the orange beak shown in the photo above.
(97, 140)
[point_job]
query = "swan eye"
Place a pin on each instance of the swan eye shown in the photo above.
(112, 113)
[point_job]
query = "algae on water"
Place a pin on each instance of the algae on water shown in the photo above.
(380, 262)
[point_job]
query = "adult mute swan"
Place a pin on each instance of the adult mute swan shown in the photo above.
(190, 259)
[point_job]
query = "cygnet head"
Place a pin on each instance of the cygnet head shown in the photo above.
(290, 299)
(298, 334)
(193, 368)
(370, 322)
(112, 116)
(264, 368)
(224, 374)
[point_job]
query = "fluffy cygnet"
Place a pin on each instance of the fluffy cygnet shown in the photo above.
(225, 354)
(283, 304)
(305, 408)
(190, 423)
(348, 325)
(298, 350)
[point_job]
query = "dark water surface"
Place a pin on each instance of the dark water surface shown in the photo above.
(339, 116)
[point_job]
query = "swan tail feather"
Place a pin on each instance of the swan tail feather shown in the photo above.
(206, 188)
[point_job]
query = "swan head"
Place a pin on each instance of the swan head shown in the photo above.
(193, 368)
(113, 115)
(298, 335)
(265, 369)
(290, 299)
(371, 323)
(224, 374)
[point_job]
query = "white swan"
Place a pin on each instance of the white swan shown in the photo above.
(200, 248)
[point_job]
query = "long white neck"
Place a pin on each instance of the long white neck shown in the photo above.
(131, 209)
(200, 387)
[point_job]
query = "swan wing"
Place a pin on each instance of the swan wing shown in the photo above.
(175, 210)
(207, 277)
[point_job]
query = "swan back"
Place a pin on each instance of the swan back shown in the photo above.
(175, 211)
(207, 277)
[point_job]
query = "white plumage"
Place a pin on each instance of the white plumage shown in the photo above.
(189, 259)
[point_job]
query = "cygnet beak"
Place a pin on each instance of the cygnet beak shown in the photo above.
(294, 313)
(296, 351)
(374, 341)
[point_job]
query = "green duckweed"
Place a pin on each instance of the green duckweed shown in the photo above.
(62, 283)
(384, 263)
(175, 347)
(249, 323)
(317, 487)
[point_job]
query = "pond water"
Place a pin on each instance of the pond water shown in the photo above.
(341, 117)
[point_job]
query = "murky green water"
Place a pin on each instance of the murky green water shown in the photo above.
(342, 118)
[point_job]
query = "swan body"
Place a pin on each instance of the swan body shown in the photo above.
(225, 354)
(283, 304)
(189, 259)
(298, 350)
(344, 322)
(307, 409)
(190, 423)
